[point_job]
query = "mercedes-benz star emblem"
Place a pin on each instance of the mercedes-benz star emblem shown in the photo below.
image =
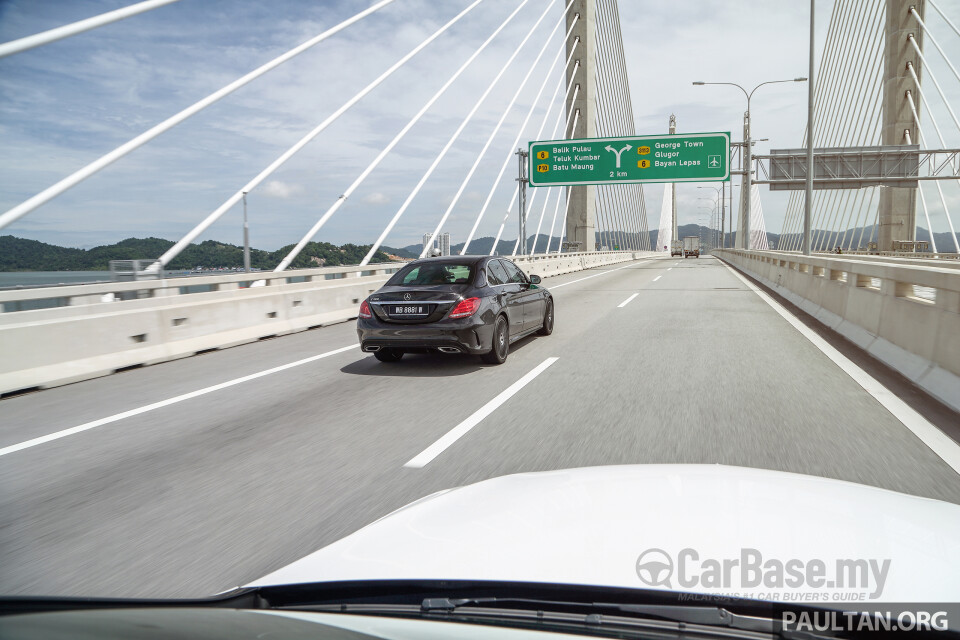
(655, 567)
(407, 296)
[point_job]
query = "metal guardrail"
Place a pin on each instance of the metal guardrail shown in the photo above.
(51, 296)
(940, 255)
(895, 277)
(903, 313)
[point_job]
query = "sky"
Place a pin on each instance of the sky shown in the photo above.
(66, 104)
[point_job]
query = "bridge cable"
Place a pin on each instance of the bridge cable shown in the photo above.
(610, 199)
(943, 201)
(567, 132)
(563, 194)
(944, 16)
(72, 29)
(609, 124)
(604, 114)
(486, 146)
(226, 205)
(506, 111)
(827, 74)
(923, 202)
(637, 189)
(616, 35)
(935, 43)
(566, 210)
(932, 77)
(539, 93)
(511, 151)
(406, 129)
(833, 109)
(436, 163)
(862, 134)
(503, 117)
(553, 135)
(844, 209)
(847, 130)
(533, 196)
(463, 184)
(78, 176)
(933, 120)
(826, 77)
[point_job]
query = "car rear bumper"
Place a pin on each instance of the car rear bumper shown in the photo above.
(468, 336)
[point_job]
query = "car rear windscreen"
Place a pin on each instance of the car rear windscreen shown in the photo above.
(433, 273)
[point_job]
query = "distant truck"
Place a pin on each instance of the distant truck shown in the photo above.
(676, 248)
(691, 246)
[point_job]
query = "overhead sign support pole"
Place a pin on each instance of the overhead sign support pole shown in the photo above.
(522, 195)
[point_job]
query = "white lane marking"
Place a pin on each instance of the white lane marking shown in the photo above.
(627, 301)
(632, 264)
(657, 278)
(668, 268)
(438, 447)
(939, 442)
(164, 403)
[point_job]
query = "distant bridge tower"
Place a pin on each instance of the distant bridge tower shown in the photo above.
(582, 214)
(898, 205)
(673, 188)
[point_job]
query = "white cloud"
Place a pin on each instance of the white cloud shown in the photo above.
(278, 189)
(375, 198)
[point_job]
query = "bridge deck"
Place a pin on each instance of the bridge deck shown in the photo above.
(217, 490)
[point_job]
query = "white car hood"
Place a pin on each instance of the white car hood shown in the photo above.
(590, 526)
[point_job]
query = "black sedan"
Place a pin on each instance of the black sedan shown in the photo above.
(464, 304)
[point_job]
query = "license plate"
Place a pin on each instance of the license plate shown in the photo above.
(409, 310)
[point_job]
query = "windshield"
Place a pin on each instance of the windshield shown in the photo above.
(333, 291)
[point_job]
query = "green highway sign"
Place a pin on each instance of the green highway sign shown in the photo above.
(689, 157)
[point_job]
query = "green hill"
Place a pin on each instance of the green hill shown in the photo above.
(19, 254)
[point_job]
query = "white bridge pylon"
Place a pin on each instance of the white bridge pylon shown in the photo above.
(665, 234)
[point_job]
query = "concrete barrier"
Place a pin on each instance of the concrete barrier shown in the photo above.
(95, 329)
(903, 313)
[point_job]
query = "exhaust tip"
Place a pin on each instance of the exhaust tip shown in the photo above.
(449, 349)
(371, 348)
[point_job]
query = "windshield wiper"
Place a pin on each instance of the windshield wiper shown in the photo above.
(707, 616)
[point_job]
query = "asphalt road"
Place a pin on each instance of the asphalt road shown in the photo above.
(215, 490)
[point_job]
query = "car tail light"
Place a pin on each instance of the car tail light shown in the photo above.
(365, 310)
(466, 308)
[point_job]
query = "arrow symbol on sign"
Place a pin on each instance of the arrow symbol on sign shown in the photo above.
(617, 153)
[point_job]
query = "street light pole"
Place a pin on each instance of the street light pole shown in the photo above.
(715, 208)
(246, 236)
(722, 196)
(747, 151)
(748, 176)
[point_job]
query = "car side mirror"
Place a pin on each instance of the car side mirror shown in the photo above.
(534, 279)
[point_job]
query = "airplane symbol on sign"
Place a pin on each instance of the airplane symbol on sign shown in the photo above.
(713, 161)
(617, 153)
